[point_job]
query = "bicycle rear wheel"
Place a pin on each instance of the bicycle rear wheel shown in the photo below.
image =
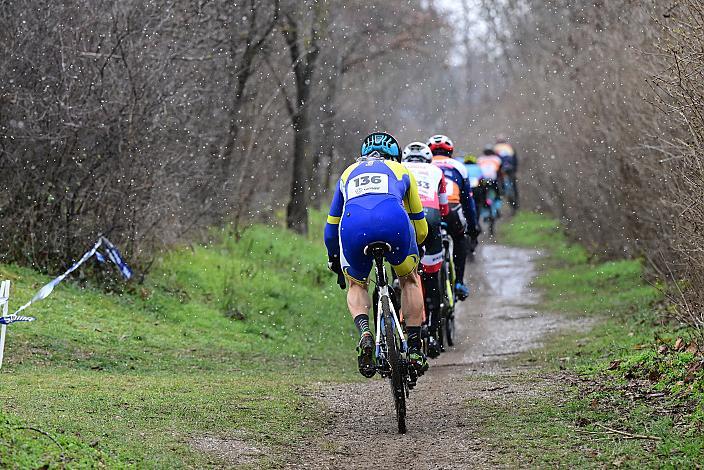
(398, 388)
(447, 317)
(450, 329)
(445, 290)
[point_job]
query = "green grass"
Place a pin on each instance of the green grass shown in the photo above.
(559, 428)
(217, 340)
(531, 230)
(625, 373)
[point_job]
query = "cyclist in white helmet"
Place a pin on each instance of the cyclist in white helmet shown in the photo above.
(418, 158)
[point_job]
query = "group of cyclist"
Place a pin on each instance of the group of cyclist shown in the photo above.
(406, 199)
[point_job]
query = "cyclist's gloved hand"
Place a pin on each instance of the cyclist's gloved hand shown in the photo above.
(334, 264)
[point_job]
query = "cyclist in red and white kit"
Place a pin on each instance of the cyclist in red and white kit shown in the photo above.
(462, 221)
(417, 158)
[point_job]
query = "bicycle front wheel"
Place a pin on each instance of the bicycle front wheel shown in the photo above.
(394, 356)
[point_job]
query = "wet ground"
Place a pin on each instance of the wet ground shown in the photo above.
(498, 321)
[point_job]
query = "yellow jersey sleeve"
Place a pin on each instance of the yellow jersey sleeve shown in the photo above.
(414, 208)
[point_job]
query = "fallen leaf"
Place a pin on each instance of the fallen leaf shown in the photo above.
(614, 364)
(662, 349)
(692, 347)
(680, 345)
(693, 371)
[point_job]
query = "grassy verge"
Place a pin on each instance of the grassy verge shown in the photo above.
(626, 393)
(216, 342)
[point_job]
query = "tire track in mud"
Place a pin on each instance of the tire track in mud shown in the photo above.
(499, 320)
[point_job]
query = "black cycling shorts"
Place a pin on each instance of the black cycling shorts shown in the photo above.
(456, 222)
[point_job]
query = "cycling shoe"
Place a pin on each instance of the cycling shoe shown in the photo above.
(418, 361)
(434, 349)
(461, 291)
(365, 356)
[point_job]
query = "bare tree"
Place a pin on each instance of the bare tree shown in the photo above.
(301, 32)
(148, 121)
(261, 18)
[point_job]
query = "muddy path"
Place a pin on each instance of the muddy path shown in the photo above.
(497, 322)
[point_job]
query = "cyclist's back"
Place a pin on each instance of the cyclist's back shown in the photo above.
(374, 196)
(508, 156)
(431, 185)
(490, 165)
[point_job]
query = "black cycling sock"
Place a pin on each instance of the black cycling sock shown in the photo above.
(413, 337)
(431, 282)
(362, 322)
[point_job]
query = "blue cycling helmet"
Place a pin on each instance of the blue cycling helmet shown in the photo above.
(382, 143)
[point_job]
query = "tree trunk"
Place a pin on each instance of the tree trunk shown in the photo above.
(297, 209)
(304, 54)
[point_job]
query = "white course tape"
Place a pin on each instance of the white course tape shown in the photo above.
(45, 291)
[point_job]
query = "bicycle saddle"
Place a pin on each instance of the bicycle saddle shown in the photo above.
(377, 247)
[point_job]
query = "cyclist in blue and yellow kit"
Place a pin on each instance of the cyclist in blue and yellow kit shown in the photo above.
(377, 200)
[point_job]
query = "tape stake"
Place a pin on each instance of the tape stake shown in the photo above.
(4, 296)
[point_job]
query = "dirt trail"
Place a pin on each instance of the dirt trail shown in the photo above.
(498, 321)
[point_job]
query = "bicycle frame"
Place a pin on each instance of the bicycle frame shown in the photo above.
(382, 287)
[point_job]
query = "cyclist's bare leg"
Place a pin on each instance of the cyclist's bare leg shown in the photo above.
(358, 300)
(412, 299)
(358, 303)
(412, 302)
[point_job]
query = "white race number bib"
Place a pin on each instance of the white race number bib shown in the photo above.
(368, 183)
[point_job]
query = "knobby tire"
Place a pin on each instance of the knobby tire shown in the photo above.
(450, 329)
(444, 283)
(448, 311)
(397, 377)
(446, 318)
